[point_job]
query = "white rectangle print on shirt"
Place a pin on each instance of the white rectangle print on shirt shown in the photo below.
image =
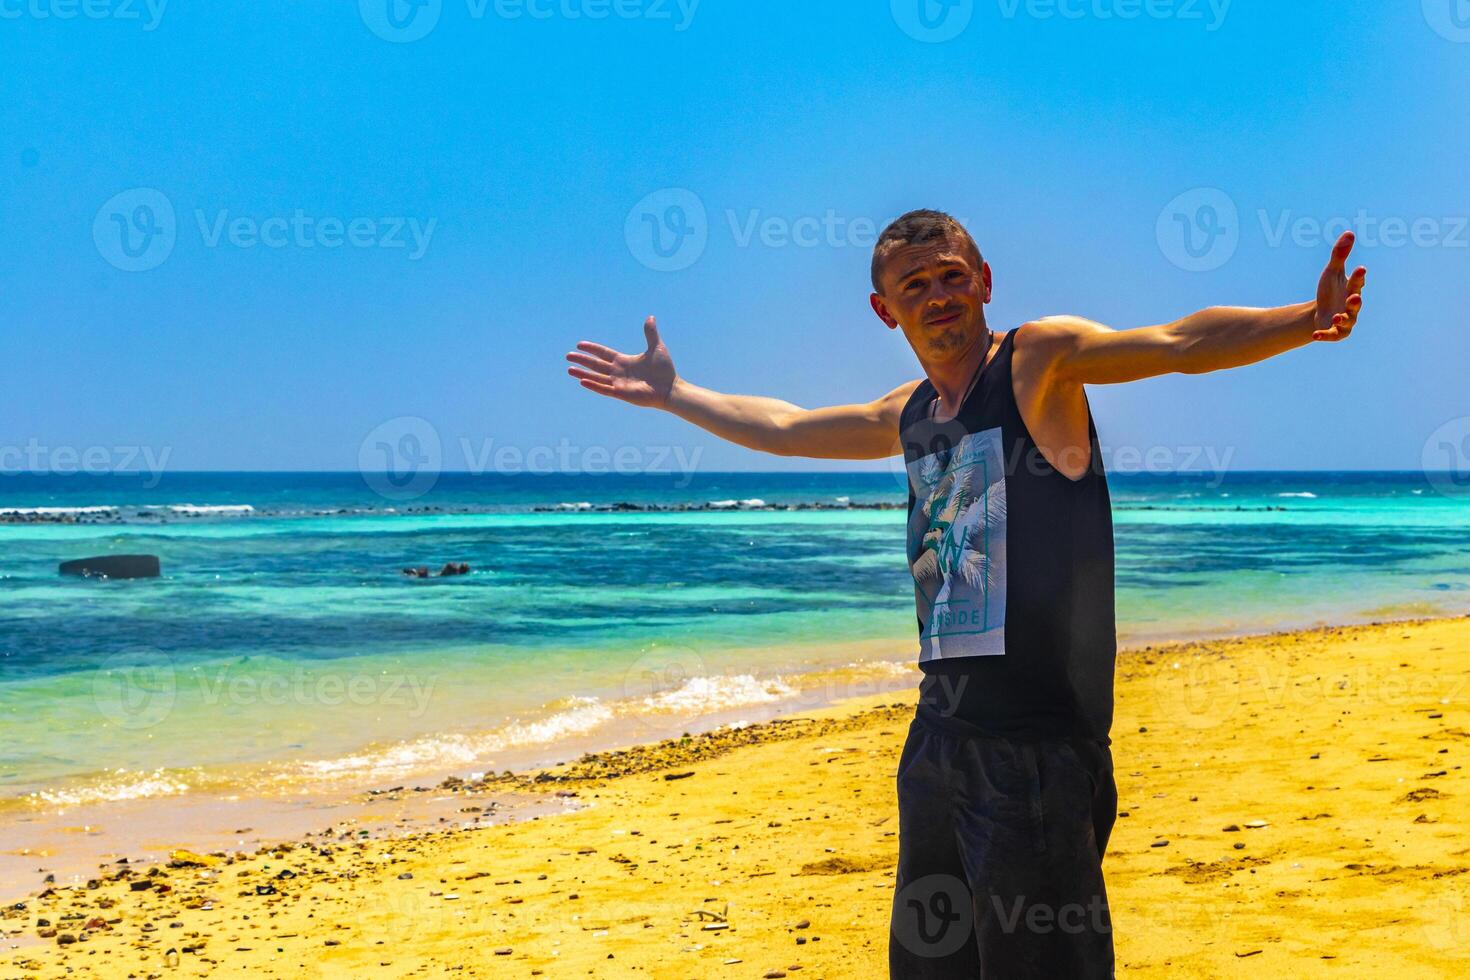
(957, 548)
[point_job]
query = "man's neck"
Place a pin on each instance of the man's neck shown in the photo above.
(952, 378)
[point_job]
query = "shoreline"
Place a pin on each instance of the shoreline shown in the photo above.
(1200, 702)
(211, 818)
(70, 839)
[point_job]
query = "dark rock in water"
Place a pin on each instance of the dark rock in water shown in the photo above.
(114, 566)
(450, 569)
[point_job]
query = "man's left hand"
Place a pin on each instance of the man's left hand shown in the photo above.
(1339, 298)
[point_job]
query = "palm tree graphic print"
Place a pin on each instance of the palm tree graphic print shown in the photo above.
(957, 548)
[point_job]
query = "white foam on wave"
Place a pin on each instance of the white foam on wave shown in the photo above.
(58, 511)
(701, 694)
(569, 718)
(1305, 494)
(211, 510)
(121, 785)
(891, 667)
(438, 751)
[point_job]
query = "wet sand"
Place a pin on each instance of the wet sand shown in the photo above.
(1294, 807)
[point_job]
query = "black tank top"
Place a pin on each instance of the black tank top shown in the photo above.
(1013, 570)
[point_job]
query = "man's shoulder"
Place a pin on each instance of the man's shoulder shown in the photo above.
(1056, 329)
(1040, 343)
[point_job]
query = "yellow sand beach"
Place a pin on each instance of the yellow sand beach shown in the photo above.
(1290, 805)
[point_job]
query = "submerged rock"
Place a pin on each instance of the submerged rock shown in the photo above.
(114, 566)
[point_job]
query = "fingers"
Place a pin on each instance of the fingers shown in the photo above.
(1341, 251)
(1357, 279)
(1342, 323)
(606, 353)
(595, 376)
(593, 363)
(650, 332)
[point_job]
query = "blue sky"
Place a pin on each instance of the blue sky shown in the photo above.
(370, 225)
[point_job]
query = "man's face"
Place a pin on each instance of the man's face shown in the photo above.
(935, 293)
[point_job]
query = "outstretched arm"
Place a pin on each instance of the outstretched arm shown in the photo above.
(860, 431)
(1210, 340)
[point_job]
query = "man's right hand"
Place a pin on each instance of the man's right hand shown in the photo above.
(867, 430)
(645, 379)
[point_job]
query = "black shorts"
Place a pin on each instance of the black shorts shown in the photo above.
(1000, 846)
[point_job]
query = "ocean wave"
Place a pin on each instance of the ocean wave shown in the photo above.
(583, 715)
(116, 787)
(717, 693)
(58, 511)
(1306, 495)
(567, 718)
(204, 510)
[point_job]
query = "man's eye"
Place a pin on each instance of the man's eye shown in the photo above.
(912, 283)
(953, 273)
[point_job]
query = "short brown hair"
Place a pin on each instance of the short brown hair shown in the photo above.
(917, 228)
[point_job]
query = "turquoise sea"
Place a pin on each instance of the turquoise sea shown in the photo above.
(284, 649)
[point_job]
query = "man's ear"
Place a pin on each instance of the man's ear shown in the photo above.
(882, 310)
(985, 277)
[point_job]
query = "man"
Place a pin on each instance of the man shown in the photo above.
(1005, 784)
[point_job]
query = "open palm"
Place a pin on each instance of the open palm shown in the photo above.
(640, 379)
